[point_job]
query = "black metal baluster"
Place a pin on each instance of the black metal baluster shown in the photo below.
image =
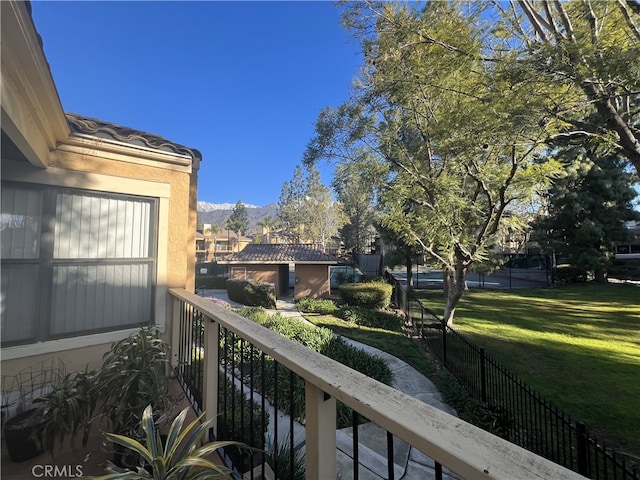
(252, 387)
(275, 419)
(263, 411)
(438, 471)
(233, 383)
(243, 433)
(356, 459)
(291, 415)
(390, 460)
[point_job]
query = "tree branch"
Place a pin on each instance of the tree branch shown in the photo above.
(625, 13)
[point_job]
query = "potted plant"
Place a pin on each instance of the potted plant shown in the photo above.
(178, 457)
(134, 375)
(65, 409)
(20, 395)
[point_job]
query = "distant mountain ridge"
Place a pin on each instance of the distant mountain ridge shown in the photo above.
(217, 213)
(210, 207)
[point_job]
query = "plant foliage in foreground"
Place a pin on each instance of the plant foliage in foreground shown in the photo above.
(178, 458)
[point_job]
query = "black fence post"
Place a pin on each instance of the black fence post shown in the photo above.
(483, 376)
(581, 448)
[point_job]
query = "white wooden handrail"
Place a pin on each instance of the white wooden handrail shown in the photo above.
(461, 447)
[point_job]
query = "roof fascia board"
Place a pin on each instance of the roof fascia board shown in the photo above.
(88, 145)
(274, 262)
(32, 113)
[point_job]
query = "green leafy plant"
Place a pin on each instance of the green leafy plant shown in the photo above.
(252, 293)
(370, 295)
(178, 458)
(370, 318)
(316, 305)
(135, 374)
(281, 454)
(67, 408)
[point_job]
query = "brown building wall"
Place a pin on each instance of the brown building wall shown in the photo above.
(312, 281)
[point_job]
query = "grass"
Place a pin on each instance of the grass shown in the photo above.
(401, 346)
(578, 345)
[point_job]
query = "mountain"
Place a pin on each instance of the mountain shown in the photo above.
(210, 207)
(216, 213)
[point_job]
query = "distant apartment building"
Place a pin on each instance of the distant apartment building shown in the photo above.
(214, 244)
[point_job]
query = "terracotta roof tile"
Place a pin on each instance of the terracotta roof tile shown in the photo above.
(98, 128)
(279, 253)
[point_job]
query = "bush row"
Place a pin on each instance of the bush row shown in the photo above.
(323, 306)
(370, 318)
(321, 340)
(369, 295)
(210, 282)
(251, 293)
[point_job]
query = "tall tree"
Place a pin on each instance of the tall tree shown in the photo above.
(290, 205)
(238, 221)
(267, 224)
(356, 194)
(323, 216)
(307, 209)
(448, 134)
(587, 208)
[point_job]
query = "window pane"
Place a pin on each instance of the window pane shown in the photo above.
(19, 223)
(18, 305)
(98, 227)
(96, 297)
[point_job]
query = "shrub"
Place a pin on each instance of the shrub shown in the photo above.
(370, 318)
(316, 305)
(210, 282)
(566, 274)
(252, 293)
(625, 269)
(370, 295)
(323, 341)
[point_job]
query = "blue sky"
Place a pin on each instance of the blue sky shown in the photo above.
(243, 82)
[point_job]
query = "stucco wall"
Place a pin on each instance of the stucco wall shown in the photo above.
(312, 281)
(258, 273)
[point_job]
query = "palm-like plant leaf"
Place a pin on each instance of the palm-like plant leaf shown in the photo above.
(170, 462)
(131, 444)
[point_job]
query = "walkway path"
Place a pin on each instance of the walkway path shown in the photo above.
(409, 463)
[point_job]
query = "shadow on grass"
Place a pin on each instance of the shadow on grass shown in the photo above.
(579, 346)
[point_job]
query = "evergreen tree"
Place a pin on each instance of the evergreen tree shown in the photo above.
(587, 208)
(238, 221)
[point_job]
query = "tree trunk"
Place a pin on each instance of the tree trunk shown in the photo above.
(409, 270)
(455, 279)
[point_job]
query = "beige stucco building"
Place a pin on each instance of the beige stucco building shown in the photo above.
(98, 220)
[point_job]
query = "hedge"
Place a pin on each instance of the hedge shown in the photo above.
(210, 282)
(250, 293)
(368, 295)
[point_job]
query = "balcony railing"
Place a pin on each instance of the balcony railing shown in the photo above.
(232, 366)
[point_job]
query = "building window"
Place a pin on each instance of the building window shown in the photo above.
(74, 262)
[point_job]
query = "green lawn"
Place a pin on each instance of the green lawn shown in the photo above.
(579, 346)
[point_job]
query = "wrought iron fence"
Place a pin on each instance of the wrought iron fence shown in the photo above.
(521, 414)
(261, 403)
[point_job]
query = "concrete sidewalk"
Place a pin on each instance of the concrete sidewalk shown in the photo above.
(409, 463)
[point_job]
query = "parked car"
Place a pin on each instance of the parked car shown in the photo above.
(340, 274)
